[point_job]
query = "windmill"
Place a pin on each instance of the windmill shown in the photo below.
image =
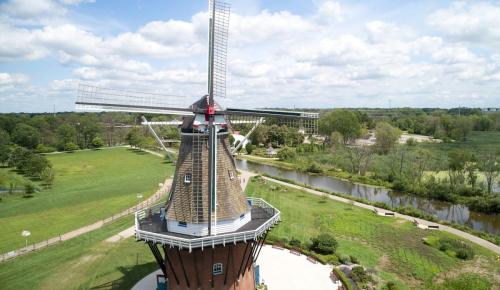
(211, 234)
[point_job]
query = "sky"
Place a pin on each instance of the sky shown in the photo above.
(282, 53)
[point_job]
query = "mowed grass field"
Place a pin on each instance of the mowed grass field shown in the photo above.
(85, 262)
(89, 186)
(391, 247)
(478, 142)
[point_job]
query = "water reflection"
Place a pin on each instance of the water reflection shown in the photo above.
(443, 210)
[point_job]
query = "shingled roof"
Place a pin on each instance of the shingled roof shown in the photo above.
(189, 195)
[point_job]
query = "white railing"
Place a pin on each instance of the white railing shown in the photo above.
(208, 241)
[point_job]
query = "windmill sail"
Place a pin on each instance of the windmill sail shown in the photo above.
(219, 12)
(105, 99)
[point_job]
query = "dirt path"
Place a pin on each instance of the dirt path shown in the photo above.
(445, 228)
(83, 230)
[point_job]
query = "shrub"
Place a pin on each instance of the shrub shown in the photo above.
(344, 259)
(295, 243)
(359, 274)
(353, 259)
(40, 148)
(70, 146)
(462, 250)
(391, 286)
(411, 142)
(249, 147)
(286, 153)
(343, 278)
(465, 253)
(314, 168)
(29, 189)
(324, 244)
(97, 142)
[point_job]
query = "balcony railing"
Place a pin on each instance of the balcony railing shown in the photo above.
(207, 241)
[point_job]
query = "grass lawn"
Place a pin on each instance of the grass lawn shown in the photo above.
(89, 186)
(478, 142)
(85, 262)
(392, 247)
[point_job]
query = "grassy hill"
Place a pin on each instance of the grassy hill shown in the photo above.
(89, 186)
(393, 248)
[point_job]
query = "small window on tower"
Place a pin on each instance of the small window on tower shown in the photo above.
(231, 174)
(187, 178)
(217, 269)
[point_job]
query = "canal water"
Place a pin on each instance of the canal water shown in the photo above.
(443, 210)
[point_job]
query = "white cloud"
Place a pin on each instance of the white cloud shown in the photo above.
(7, 79)
(30, 9)
(474, 21)
(379, 31)
(275, 58)
(329, 11)
(75, 2)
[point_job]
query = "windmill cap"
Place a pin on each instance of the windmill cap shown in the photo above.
(202, 105)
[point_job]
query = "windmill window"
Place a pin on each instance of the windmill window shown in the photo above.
(217, 269)
(231, 174)
(187, 178)
(182, 224)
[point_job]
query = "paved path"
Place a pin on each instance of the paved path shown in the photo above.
(281, 269)
(245, 177)
(69, 235)
(445, 228)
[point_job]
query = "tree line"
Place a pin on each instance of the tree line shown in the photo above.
(450, 173)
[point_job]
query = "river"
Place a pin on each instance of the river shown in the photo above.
(442, 210)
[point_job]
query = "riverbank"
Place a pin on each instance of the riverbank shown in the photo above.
(346, 176)
(480, 241)
(426, 209)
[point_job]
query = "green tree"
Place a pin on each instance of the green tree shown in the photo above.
(461, 128)
(135, 137)
(48, 176)
(65, 134)
(26, 136)
(249, 147)
(36, 165)
(457, 161)
(260, 135)
(87, 129)
(19, 158)
(286, 153)
(324, 244)
(386, 137)
(4, 153)
(336, 140)
(343, 121)
(97, 142)
(4, 137)
(359, 158)
(489, 163)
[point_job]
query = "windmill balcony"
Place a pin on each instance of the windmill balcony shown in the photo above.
(149, 227)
